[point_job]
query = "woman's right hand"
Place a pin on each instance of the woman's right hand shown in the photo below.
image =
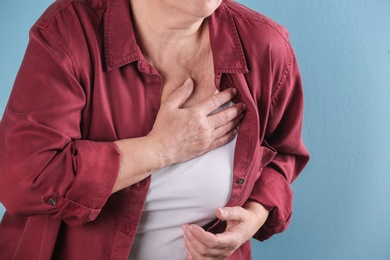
(181, 134)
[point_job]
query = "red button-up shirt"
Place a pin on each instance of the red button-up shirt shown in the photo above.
(84, 83)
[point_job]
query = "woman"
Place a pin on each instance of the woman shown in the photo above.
(106, 154)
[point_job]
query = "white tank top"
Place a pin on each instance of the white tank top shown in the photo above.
(183, 193)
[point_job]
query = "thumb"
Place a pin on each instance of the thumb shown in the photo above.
(230, 213)
(182, 93)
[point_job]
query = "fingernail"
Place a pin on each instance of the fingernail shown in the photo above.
(223, 212)
(184, 228)
(188, 82)
(234, 91)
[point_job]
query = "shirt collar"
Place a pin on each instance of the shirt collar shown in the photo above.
(121, 46)
(225, 42)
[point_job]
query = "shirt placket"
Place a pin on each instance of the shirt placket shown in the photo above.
(152, 83)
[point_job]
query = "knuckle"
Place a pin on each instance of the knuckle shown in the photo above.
(216, 101)
(222, 119)
(196, 115)
(221, 131)
(204, 147)
(202, 251)
(226, 116)
(203, 131)
(215, 244)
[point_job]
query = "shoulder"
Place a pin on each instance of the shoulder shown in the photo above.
(266, 43)
(69, 10)
(254, 20)
(259, 33)
(263, 39)
(67, 29)
(71, 22)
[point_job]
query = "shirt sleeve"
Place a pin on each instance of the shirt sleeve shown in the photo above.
(283, 135)
(46, 168)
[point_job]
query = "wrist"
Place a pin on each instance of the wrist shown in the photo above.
(259, 212)
(138, 160)
(160, 153)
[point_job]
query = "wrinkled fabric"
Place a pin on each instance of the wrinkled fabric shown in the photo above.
(84, 83)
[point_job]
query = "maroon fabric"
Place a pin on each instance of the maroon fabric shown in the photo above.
(84, 83)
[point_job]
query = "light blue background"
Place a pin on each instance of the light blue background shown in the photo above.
(342, 199)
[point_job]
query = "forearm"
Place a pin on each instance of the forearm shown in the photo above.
(138, 159)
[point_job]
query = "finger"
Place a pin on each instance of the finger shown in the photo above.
(191, 252)
(197, 248)
(223, 139)
(226, 128)
(231, 214)
(194, 251)
(208, 244)
(181, 94)
(221, 118)
(236, 214)
(217, 100)
(208, 239)
(191, 243)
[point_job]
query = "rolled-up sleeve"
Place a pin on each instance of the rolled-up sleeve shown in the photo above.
(283, 134)
(45, 166)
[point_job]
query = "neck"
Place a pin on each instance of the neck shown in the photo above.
(160, 27)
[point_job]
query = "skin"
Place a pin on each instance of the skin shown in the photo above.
(179, 134)
(242, 224)
(173, 36)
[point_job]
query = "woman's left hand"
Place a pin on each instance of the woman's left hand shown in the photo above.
(241, 224)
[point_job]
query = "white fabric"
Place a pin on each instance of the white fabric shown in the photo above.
(180, 194)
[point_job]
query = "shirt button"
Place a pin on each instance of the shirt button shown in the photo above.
(52, 201)
(240, 181)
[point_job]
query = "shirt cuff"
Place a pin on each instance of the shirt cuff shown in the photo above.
(96, 166)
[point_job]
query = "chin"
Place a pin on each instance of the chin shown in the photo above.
(209, 6)
(202, 8)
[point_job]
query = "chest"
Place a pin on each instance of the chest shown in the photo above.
(174, 71)
(127, 101)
